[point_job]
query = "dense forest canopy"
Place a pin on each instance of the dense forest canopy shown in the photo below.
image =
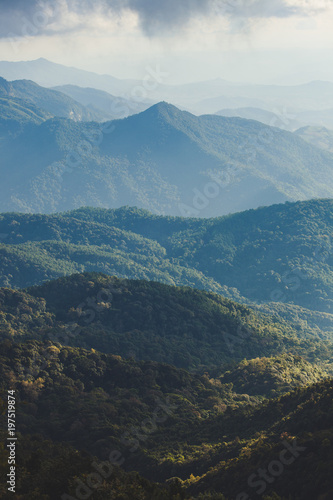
(281, 253)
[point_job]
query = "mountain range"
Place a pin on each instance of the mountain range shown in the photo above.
(179, 347)
(198, 97)
(318, 136)
(280, 254)
(109, 106)
(164, 160)
(280, 118)
(149, 321)
(53, 102)
(199, 435)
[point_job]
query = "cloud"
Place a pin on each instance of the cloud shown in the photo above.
(160, 16)
(21, 18)
(155, 17)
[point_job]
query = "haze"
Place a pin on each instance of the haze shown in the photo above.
(253, 41)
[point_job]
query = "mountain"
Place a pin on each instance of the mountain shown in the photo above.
(82, 411)
(292, 121)
(281, 253)
(198, 97)
(50, 74)
(113, 396)
(111, 107)
(50, 101)
(16, 113)
(51, 246)
(287, 458)
(271, 376)
(164, 357)
(320, 323)
(70, 471)
(163, 159)
(237, 103)
(323, 118)
(313, 97)
(320, 137)
(149, 321)
(263, 116)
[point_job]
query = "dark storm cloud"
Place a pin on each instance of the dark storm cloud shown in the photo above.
(27, 17)
(22, 17)
(158, 15)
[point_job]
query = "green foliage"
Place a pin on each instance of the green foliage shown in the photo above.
(177, 325)
(281, 253)
(50, 471)
(271, 376)
(209, 439)
(103, 403)
(303, 420)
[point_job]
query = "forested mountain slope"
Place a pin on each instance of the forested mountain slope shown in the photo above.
(184, 327)
(164, 160)
(281, 253)
(50, 101)
(162, 422)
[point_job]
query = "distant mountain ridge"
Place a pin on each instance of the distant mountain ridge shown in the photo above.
(163, 159)
(263, 116)
(110, 106)
(16, 113)
(166, 288)
(291, 121)
(50, 74)
(199, 97)
(51, 101)
(320, 137)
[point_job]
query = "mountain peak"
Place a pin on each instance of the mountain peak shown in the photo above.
(164, 109)
(164, 106)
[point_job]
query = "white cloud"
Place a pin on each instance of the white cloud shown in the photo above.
(154, 17)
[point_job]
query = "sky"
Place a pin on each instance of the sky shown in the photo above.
(255, 41)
